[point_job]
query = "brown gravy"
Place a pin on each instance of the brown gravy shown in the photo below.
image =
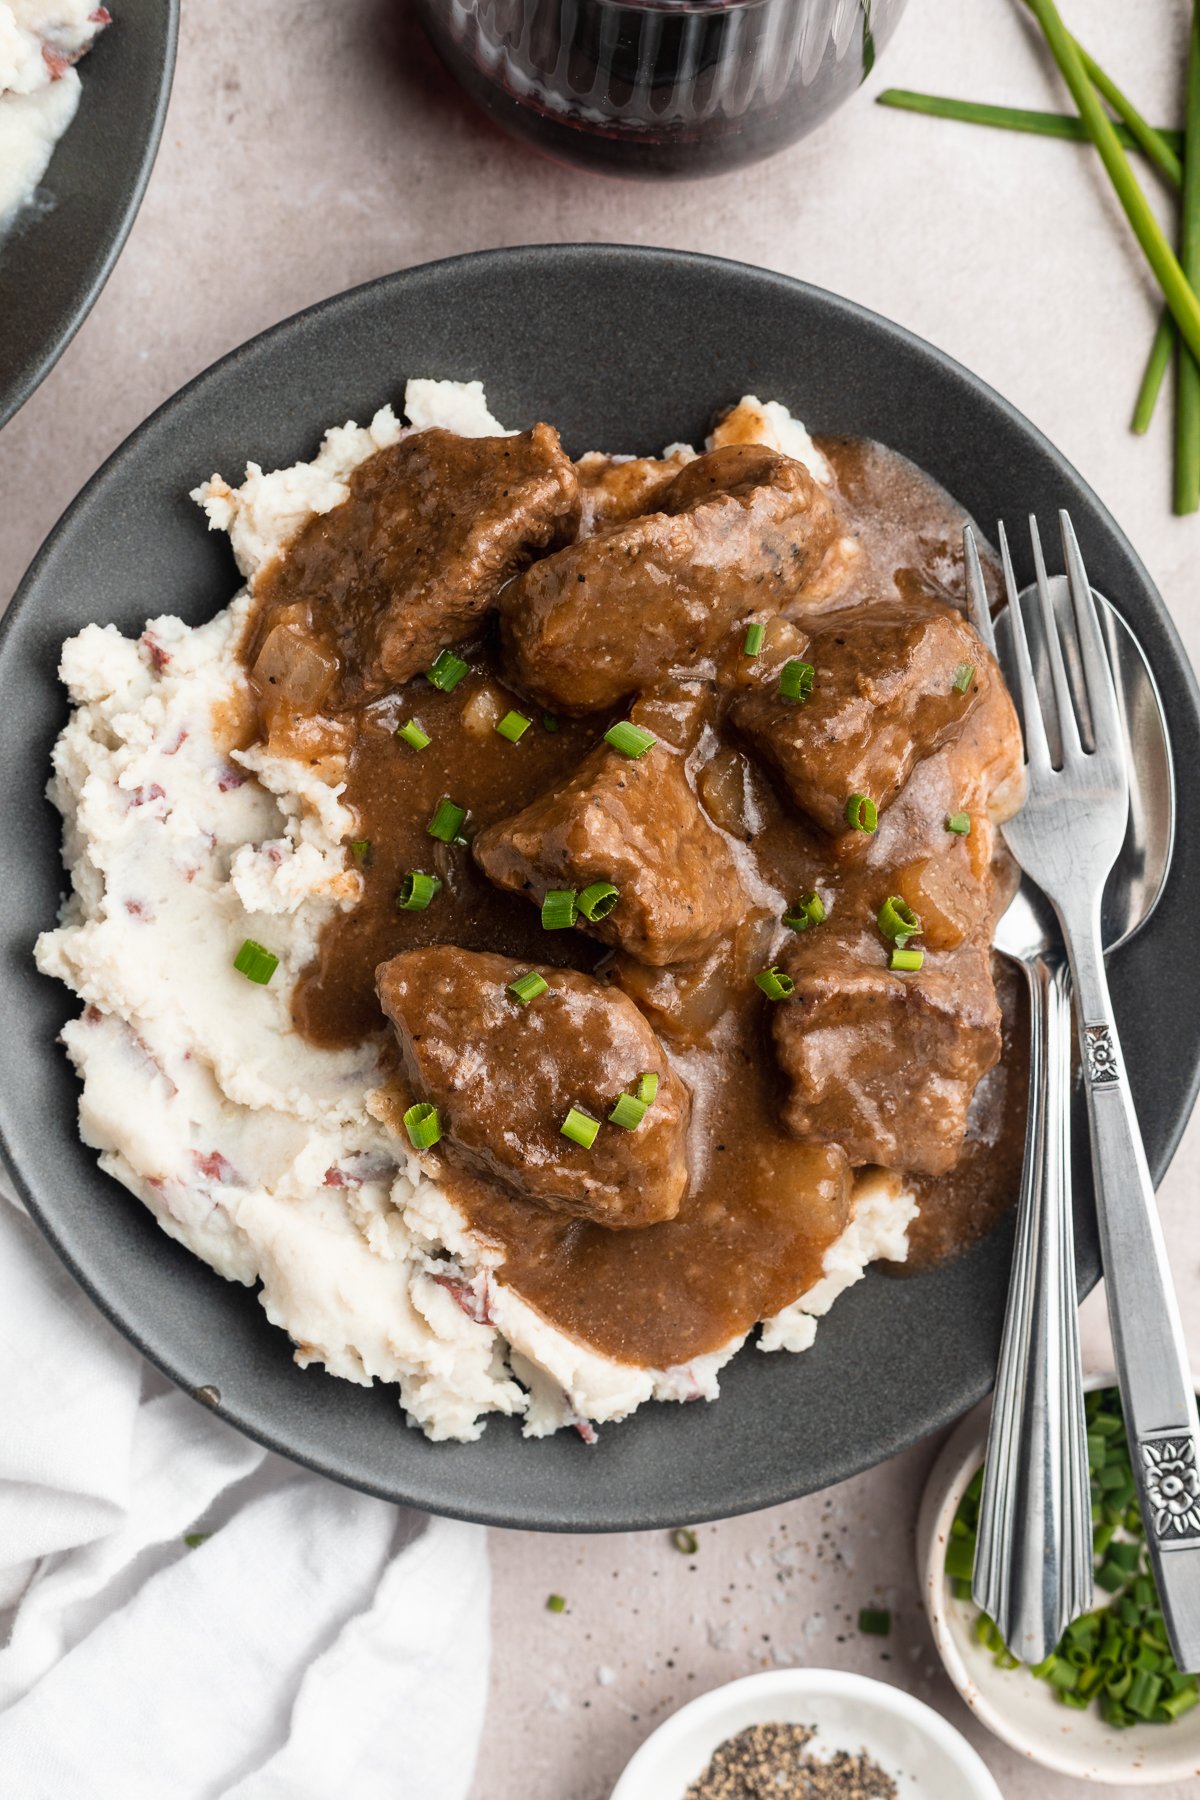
(762, 1207)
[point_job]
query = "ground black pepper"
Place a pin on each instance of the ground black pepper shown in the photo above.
(770, 1762)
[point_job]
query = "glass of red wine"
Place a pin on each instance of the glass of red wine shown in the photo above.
(659, 87)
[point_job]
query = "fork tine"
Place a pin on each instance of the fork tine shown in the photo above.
(1068, 725)
(978, 609)
(1097, 670)
(1037, 750)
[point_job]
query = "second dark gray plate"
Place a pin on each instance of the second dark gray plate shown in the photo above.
(623, 349)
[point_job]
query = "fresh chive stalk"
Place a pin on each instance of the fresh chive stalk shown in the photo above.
(1187, 379)
(1024, 119)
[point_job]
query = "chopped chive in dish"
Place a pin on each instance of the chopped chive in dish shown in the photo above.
(809, 910)
(423, 1125)
(796, 679)
(363, 852)
(862, 812)
(906, 962)
(580, 1127)
(897, 920)
(447, 822)
(417, 890)
(775, 984)
(528, 987)
(255, 962)
(628, 1113)
(559, 909)
(629, 738)
(964, 675)
(447, 671)
(1115, 1657)
(513, 726)
(598, 900)
(413, 736)
(753, 640)
(959, 823)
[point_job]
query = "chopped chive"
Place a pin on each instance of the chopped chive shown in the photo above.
(555, 1603)
(194, 1539)
(447, 822)
(960, 1558)
(628, 1113)
(809, 910)
(906, 961)
(363, 852)
(959, 823)
(796, 680)
(413, 736)
(255, 963)
(754, 639)
(423, 1126)
(447, 671)
(580, 1127)
(775, 984)
(875, 1621)
(685, 1540)
(559, 909)
(897, 920)
(598, 900)
(629, 738)
(527, 987)
(513, 726)
(549, 722)
(648, 1087)
(416, 891)
(964, 675)
(862, 812)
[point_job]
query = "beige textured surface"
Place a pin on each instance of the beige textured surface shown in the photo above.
(312, 145)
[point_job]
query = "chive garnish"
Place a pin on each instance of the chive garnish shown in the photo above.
(555, 1603)
(423, 1126)
(754, 639)
(559, 909)
(447, 671)
(413, 736)
(648, 1087)
(897, 920)
(685, 1540)
(862, 812)
(629, 738)
(513, 726)
(959, 823)
(875, 1621)
(906, 962)
(808, 910)
(598, 900)
(796, 680)
(447, 821)
(363, 852)
(628, 1113)
(194, 1539)
(417, 890)
(775, 984)
(964, 675)
(255, 963)
(580, 1127)
(549, 722)
(527, 987)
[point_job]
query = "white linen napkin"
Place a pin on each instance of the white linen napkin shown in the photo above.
(318, 1642)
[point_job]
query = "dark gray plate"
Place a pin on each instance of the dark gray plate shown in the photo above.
(624, 349)
(55, 260)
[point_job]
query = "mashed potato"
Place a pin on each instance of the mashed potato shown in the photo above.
(40, 41)
(262, 1153)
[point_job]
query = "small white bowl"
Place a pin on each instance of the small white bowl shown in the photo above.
(1010, 1702)
(925, 1756)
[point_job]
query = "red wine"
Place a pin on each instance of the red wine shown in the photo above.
(659, 87)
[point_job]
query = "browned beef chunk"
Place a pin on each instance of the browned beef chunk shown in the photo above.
(884, 1064)
(739, 531)
(504, 1076)
(883, 699)
(612, 490)
(638, 824)
(431, 530)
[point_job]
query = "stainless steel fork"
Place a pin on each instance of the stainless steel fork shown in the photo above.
(1066, 838)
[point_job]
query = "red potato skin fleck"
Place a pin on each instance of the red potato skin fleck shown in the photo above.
(154, 650)
(180, 741)
(215, 1167)
(55, 62)
(139, 909)
(341, 1178)
(230, 778)
(586, 1431)
(142, 795)
(470, 1300)
(101, 16)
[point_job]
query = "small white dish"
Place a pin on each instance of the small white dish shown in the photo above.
(925, 1756)
(1010, 1702)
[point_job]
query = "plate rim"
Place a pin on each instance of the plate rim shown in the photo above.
(764, 1492)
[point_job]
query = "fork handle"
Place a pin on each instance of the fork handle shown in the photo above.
(1157, 1394)
(1033, 1561)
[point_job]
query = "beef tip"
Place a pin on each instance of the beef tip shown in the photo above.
(884, 1064)
(738, 532)
(613, 489)
(884, 697)
(432, 528)
(638, 824)
(503, 1077)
